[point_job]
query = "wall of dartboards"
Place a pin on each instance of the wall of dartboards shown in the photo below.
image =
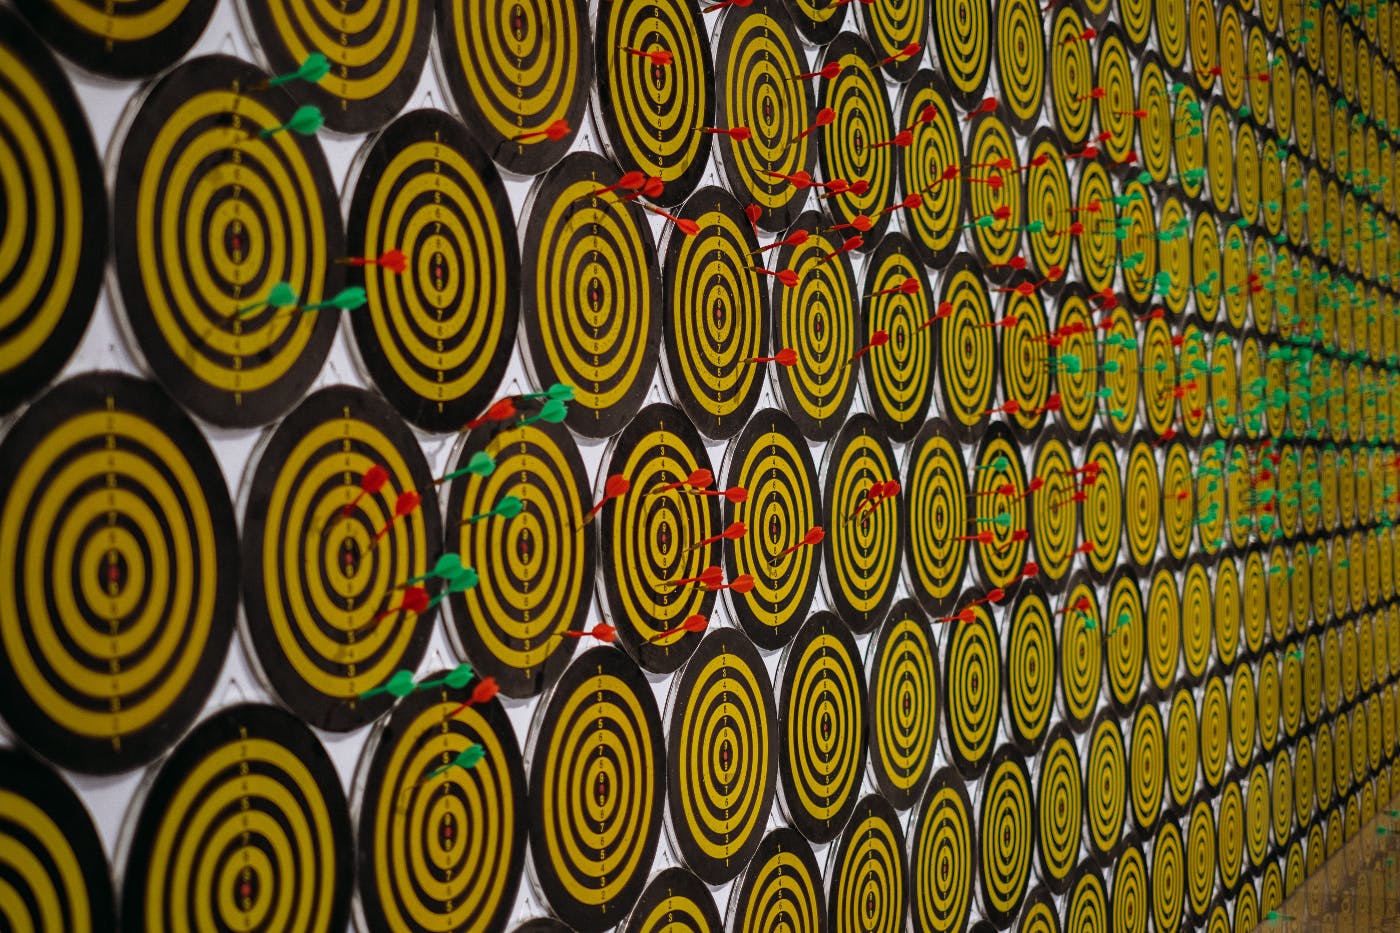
(752, 466)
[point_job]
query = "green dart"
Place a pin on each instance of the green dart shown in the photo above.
(553, 411)
(509, 507)
(1000, 463)
(479, 464)
(305, 122)
(347, 299)
(279, 296)
(468, 757)
(462, 582)
(447, 566)
(1001, 521)
(557, 392)
(456, 679)
(399, 685)
(315, 67)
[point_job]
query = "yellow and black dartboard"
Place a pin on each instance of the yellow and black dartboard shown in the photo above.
(942, 855)
(55, 872)
(1178, 511)
(591, 300)
(1215, 731)
(1125, 639)
(1071, 76)
(1081, 626)
(1168, 880)
(1103, 507)
(1029, 650)
(56, 206)
(1051, 214)
(1200, 855)
(963, 34)
(1086, 904)
(1098, 236)
(340, 529)
(1075, 361)
(1008, 831)
(867, 878)
(1059, 805)
(237, 320)
(902, 661)
(441, 842)
(120, 547)
(891, 29)
(1054, 516)
(1025, 379)
(1183, 748)
(1227, 610)
(1147, 765)
(437, 332)
(534, 571)
(1130, 899)
(1021, 70)
(995, 196)
(930, 167)
(244, 826)
(716, 315)
(596, 762)
(520, 74)
(817, 316)
(1105, 786)
(1196, 604)
(860, 141)
(665, 531)
(864, 523)
(1143, 502)
(899, 371)
(674, 902)
(967, 361)
(821, 727)
(1000, 488)
(722, 755)
(939, 508)
(655, 91)
(781, 889)
(1115, 95)
(779, 504)
(766, 89)
(1155, 129)
(375, 55)
(120, 40)
(972, 674)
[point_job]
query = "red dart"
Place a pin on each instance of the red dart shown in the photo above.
(908, 51)
(616, 485)
(928, 114)
(1076, 229)
(753, 212)
(699, 479)
(739, 134)
(813, 537)
(988, 105)
(403, 505)
(851, 243)
(1053, 403)
(787, 276)
(630, 181)
(827, 71)
(1139, 114)
(415, 600)
(710, 577)
(859, 187)
(740, 584)
(1263, 77)
(1167, 436)
(900, 139)
(1078, 497)
(503, 410)
(733, 533)
(982, 537)
(1212, 72)
(1035, 485)
(1104, 137)
(1085, 36)
(683, 224)
(860, 222)
(963, 615)
(796, 238)
(1082, 604)
(1010, 408)
(1004, 164)
(784, 357)
(1156, 314)
(825, 117)
(1092, 206)
(1098, 93)
(602, 631)
(660, 58)
(993, 596)
(554, 132)
(837, 186)
(371, 482)
(392, 261)
(724, 3)
(1092, 467)
(735, 494)
(909, 286)
(1031, 569)
(877, 339)
(1005, 489)
(949, 173)
(485, 690)
(1037, 160)
(1088, 152)
(1002, 213)
(694, 624)
(1018, 536)
(911, 202)
(651, 188)
(945, 309)
(1006, 323)
(800, 179)
(1015, 262)
(995, 182)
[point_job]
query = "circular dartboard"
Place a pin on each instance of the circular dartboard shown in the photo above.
(902, 661)
(1025, 379)
(864, 523)
(1059, 809)
(1200, 855)
(1051, 215)
(237, 322)
(120, 40)
(1117, 100)
(781, 889)
(596, 763)
(773, 491)
(55, 870)
(1054, 515)
(1008, 830)
(1077, 384)
(898, 374)
(995, 198)
(930, 166)
(1029, 649)
(967, 359)
(859, 142)
(897, 32)
(328, 563)
(972, 672)
(1124, 639)
(939, 507)
(441, 843)
(244, 825)
(437, 332)
(119, 547)
(1105, 786)
(942, 856)
(1001, 489)
(963, 34)
(534, 571)
(1147, 765)
(591, 300)
(821, 727)
(867, 877)
(1071, 76)
(1020, 52)
(520, 75)
(722, 754)
(48, 287)
(674, 902)
(1168, 878)
(1103, 507)
(1143, 502)
(658, 535)
(1081, 650)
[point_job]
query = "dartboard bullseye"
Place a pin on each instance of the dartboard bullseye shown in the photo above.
(723, 755)
(119, 547)
(120, 40)
(48, 287)
(821, 727)
(781, 889)
(441, 844)
(597, 773)
(774, 493)
(519, 73)
(535, 571)
(238, 318)
(437, 332)
(336, 584)
(859, 143)
(863, 504)
(244, 826)
(867, 878)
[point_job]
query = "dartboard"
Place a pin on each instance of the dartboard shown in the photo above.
(942, 856)
(441, 842)
(781, 888)
(939, 508)
(590, 301)
(47, 288)
(596, 768)
(119, 543)
(519, 73)
(330, 553)
(1000, 523)
(899, 373)
(1124, 639)
(962, 33)
(120, 40)
(675, 901)
(437, 331)
(1020, 53)
(972, 673)
(860, 141)
(903, 703)
(930, 166)
(1008, 834)
(1105, 786)
(995, 198)
(723, 754)
(967, 365)
(245, 823)
(1029, 649)
(1054, 515)
(864, 523)
(1147, 772)
(237, 322)
(1059, 809)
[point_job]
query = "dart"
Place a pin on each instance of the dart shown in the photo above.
(1003, 164)
(901, 139)
(877, 339)
(1016, 263)
(784, 357)
(683, 224)
(1098, 93)
(995, 595)
(734, 532)
(630, 181)
(448, 565)
(825, 117)
(312, 69)
(1053, 403)
(467, 758)
(860, 222)
(1005, 489)
(485, 690)
(813, 537)
(602, 632)
(800, 180)
(280, 296)
(694, 624)
(787, 277)
(988, 105)
(981, 537)
(1082, 604)
(456, 679)
(560, 391)
(1137, 114)
(796, 238)
(1086, 36)
(399, 685)
(735, 494)
(725, 3)
(306, 121)
(615, 486)
(509, 507)
(911, 202)
(962, 615)
(1010, 407)
(1000, 463)
(347, 299)
(554, 132)
(1274, 916)
(403, 505)
(907, 286)
(1034, 486)
(827, 71)
(415, 600)
(460, 583)
(659, 58)
(371, 482)
(739, 134)
(391, 260)
(743, 583)
(1088, 152)
(851, 243)
(651, 188)
(1002, 521)
(909, 51)
(1078, 497)
(698, 479)
(927, 114)
(553, 411)
(502, 410)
